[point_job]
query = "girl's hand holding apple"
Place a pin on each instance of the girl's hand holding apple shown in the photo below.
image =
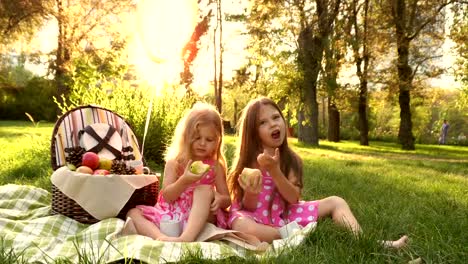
(250, 180)
(189, 176)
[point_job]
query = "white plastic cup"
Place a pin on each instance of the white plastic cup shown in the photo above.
(289, 229)
(171, 227)
(137, 165)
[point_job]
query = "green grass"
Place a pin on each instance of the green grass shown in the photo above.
(422, 193)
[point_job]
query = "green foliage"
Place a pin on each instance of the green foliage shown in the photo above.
(459, 33)
(34, 98)
(21, 19)
(133, 104)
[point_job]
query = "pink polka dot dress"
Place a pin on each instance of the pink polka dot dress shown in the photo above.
(272, 208)
(180, 208)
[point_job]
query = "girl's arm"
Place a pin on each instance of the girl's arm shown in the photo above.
(287, 187)
(173, 185)
(249, 201)
(222, 198)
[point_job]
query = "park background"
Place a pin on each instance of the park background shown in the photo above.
(364, 85)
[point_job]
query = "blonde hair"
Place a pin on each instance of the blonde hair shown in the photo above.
(249, 145)
(187, 129)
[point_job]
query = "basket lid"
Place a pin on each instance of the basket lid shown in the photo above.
(101, 139)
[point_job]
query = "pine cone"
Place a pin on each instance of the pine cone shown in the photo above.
(74, 155)
(130, 171)
(119, 167)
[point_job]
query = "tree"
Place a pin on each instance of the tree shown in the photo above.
(21, 18)
(459, 34)
(218, 58)
(300, 29)
(312, 41)
(334, 57)
(358, 33)
(409, 19)
(80, 23)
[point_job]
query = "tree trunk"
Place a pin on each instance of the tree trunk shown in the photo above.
(405, 133)
(311, 53)
(362, 110)
(362, 73)
(300, 127)
(62, 56)
(333, 123)
(324, 116)
(220, 79)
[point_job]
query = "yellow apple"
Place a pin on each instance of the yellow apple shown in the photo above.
(198, 167)
(105, 163)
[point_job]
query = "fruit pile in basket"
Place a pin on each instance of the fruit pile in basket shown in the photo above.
(88, 162)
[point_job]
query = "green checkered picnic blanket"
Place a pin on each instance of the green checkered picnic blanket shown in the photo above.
(27, 228)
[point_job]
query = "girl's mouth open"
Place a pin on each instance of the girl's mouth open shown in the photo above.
(276, 134)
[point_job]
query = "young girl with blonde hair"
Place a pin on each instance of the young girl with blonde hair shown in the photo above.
(193, 199)
(270, 198)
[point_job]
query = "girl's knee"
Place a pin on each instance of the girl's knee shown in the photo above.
(204, 190)
(330, 204)
(243, 225)
(133, 212)
(338, 201)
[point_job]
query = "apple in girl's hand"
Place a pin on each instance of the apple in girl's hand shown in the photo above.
(90, 159)
(101, 172)
(84, 169)
(198, 167)
(105, 163)
(248, 172)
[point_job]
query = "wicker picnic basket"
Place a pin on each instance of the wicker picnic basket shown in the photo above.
(66, 136)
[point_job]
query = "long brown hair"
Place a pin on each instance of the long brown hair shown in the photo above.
(249, 146)
(187, 129)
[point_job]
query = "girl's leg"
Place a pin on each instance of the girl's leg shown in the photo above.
(202, 197)
(261, 231)
(337, 208)
(142, 225)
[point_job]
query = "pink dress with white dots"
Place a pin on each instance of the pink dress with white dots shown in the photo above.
(273, 210)
(180, 208)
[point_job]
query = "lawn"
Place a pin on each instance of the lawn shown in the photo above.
(422, 193)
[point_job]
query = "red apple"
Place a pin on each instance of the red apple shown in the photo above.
(84, 169)
(101, 172)
(90, 159)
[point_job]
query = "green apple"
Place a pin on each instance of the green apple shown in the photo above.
(105, 163)
(247, 173)
(198, 167)
(71, 167)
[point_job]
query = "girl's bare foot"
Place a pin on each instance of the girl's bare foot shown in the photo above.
(397, 244)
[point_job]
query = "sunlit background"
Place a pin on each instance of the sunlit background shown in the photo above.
(156, 34)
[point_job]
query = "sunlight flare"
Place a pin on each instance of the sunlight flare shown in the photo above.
(162, 29)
